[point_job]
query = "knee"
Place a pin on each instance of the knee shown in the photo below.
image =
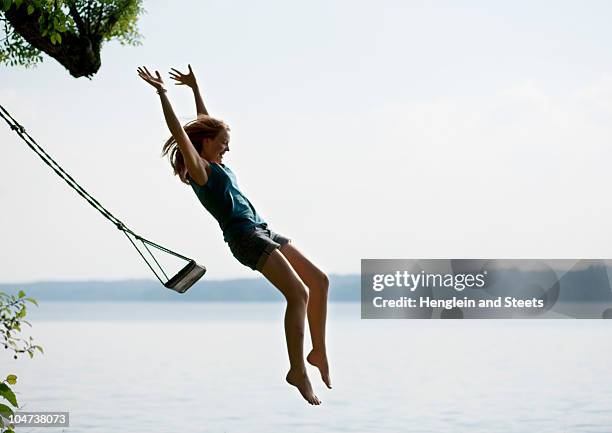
(299, 296)
(322, 282)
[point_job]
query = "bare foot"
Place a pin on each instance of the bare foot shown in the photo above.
(300, 380)
(319, 360)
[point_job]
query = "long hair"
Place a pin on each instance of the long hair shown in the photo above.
(197, 130)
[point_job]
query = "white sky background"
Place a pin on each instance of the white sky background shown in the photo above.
(400, 130)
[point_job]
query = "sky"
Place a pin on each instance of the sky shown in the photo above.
(401, 129)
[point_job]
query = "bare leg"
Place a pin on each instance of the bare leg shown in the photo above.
(318, 283)
(280, 273)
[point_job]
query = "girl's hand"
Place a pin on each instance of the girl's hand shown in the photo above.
(156, 82)
(184, 79)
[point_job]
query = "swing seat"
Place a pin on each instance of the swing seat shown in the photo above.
(186, 277)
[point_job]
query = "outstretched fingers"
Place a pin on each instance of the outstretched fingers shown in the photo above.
(177, 76)
(156, 81)
(144, 75)
(187, 79)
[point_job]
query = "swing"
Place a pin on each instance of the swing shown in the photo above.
(184, 278)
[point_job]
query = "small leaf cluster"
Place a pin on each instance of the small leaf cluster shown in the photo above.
(13, 310)
(12, 316)
(7, 395)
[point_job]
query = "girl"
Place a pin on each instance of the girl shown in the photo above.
(196, 152)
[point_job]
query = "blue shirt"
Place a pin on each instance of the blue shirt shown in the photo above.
(221, 196)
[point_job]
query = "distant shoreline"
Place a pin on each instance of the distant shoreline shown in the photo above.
(590, 284)
(343, 288)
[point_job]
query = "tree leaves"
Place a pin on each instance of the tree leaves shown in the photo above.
(8, 394)
(5, 411)
(51, 24)
(13, 311)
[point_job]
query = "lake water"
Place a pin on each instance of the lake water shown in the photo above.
(214, 367)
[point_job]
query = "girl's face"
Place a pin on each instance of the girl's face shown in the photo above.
(214, 148)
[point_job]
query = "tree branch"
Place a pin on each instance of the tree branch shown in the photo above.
(74, 12)
(80, 54)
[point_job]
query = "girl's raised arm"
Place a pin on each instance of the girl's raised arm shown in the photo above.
(190, 80)
(196, 166)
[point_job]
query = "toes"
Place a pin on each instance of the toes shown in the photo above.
(327, 381)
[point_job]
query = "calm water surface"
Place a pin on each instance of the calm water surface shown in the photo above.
(215, 367)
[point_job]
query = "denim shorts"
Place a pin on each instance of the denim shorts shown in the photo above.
(253, 247)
